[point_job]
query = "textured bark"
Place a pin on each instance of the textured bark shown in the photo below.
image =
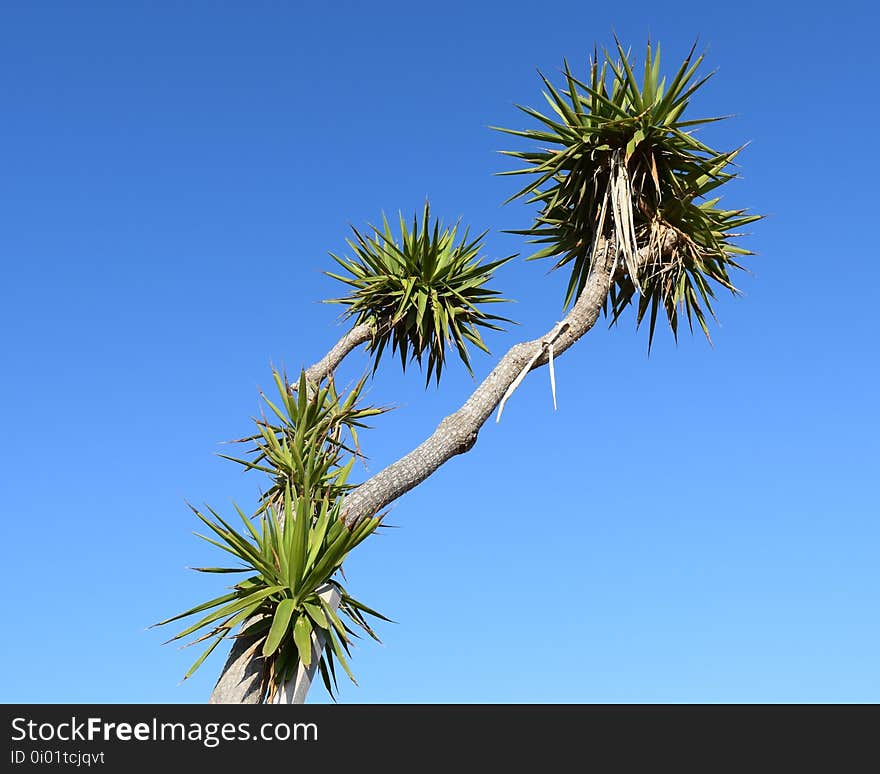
(327, 364)
(242, 680)
(455, 435)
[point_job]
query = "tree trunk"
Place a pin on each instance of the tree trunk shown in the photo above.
(456, 434)
(242, 680)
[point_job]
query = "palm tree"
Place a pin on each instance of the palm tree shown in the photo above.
(627, 201)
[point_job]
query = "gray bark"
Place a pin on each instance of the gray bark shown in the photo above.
(455, 435)
(327, 364)
(242, 680)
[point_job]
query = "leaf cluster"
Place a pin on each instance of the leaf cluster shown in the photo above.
(421, 291)
(295, 543)
(292, 556)
(618, 167)
(312, 432)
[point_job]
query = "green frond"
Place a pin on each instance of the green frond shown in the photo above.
(422, 291)
(295, 550)
(305, 442)
(617, 164)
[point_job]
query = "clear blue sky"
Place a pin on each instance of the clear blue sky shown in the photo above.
(700, 525)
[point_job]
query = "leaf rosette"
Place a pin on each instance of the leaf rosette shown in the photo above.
(291, 556)
(618, 167)
(420, 292)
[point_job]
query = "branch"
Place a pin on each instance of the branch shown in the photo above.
(457, 433)
(327, 364)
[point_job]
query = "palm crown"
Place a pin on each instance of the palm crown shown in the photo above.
(421, 292)
(620, 166)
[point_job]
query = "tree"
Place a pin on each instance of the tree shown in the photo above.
(627, 202)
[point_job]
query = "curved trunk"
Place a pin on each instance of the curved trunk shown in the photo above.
(455, 435)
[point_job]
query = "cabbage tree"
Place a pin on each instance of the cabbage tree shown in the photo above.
(627, 202)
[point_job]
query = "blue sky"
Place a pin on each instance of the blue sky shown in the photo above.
(700, 525)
